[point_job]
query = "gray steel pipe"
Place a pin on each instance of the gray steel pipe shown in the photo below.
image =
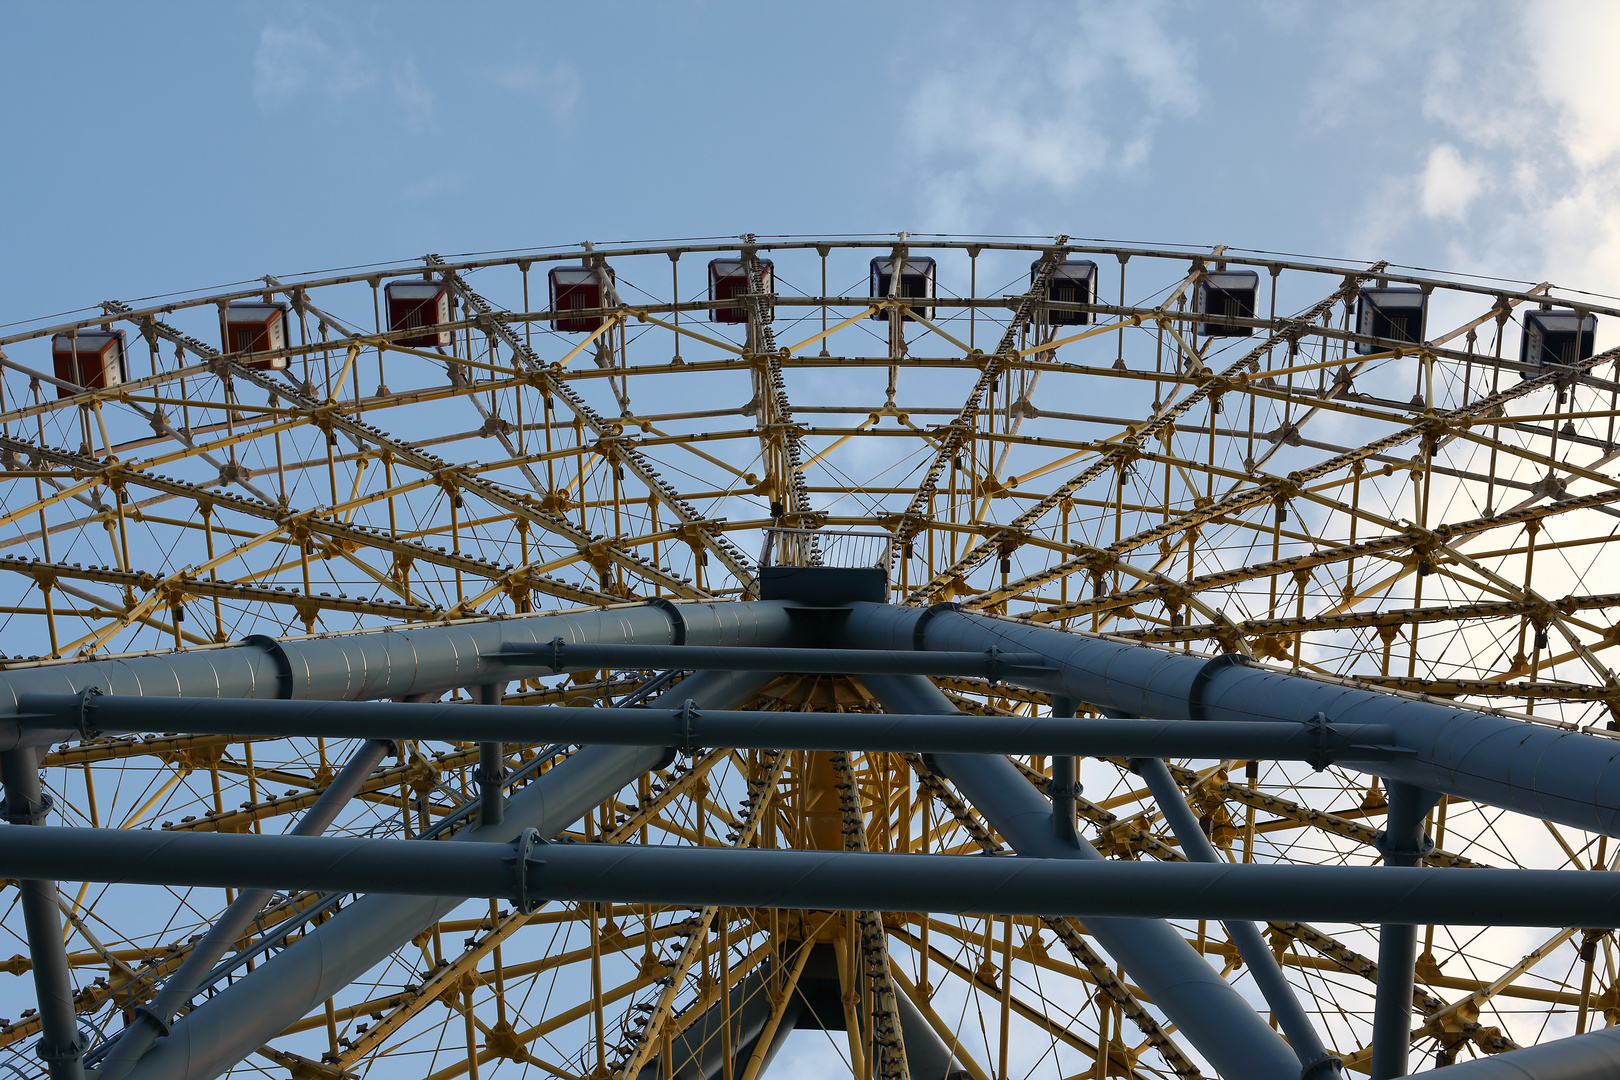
(927, 1057)
(1569, 777)
(1102, 891)
(990, 664)
(1209, 1012)
(1403, 843)
(491, 764)
(1064, 789)
(1314, 1059)
(698, 1051)
(226, 1028)
(60, 1046)
(155, 1018)
(223, 1030)
(386, 664)
(896, 733)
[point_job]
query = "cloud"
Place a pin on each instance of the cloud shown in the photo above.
(559, 85)
(297, 63)
(1576, 74)
(415, 99)
(1449, 183)
(1085, 96)
(292, 61)
(1511, 157)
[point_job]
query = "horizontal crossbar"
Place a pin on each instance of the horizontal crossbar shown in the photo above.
(588, 656)
(1319, 743)
(818, 880)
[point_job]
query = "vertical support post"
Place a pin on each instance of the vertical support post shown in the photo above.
(1404, 844)
(1314, 1058)
(491, 765)
(60, 1045)
(1064, 787)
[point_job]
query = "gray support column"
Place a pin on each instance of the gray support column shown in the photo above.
(491, 764)
(1212, 1015)
(698, 1049)
(61, 1046)
(155, 1018)
(394, 663)
(1314, 1058)
(1403, 843)
(244, 1016)
(927, 1058)
(1568, 777)
(1065, 786)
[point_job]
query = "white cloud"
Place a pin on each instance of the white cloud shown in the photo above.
(300, 63)
(559, 85)
(1576, 73)
(1514, 156)
(293, 60)
(1086, 95)
(414, 98)
(1449, 183)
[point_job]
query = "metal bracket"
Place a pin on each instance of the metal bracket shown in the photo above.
(686, 714)
(677, 620)
(82, 711)
(920, 630)
(523, 847)
(1384, 847)
(556, 655)
(992, 665)
(34, 815)
(1323, 1067)
(61, 1055)
(1195, 692)
(1055, 790)
(162, 1024)
(284, 669)
(1322, 756)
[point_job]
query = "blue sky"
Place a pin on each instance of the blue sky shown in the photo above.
(178, 146)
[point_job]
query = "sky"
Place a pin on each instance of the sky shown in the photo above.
(179, 146)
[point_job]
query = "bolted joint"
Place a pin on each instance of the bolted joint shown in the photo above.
(28, 814)
(83, 710)
(687, 713)
(57, 1055)
(1058, 790)
(1390, 849)
(523, 860)
(1322, 756)
(150, 1016)
(1325, 1066)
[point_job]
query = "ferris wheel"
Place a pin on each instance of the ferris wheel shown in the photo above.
(1212, 583)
